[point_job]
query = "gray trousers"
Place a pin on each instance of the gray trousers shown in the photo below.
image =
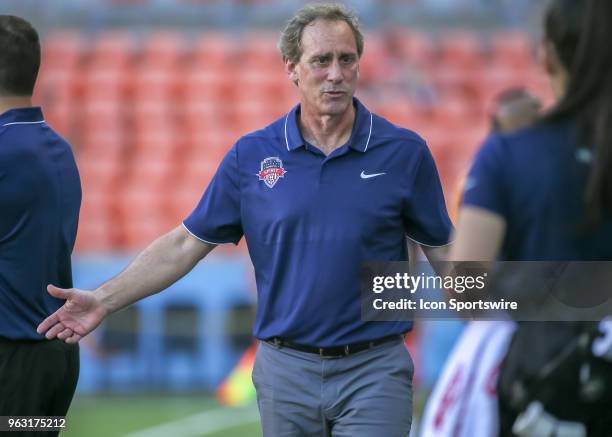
(367, 394)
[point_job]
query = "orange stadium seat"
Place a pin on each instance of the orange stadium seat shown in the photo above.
(512, 49)
(458, 151)
(461, 49)
(57, 93)
(141, 207)
(258, 50)
(268, 84)
(153, 168)
(161, 139)
(98, 115)
(252, 114)
(98, 198)
(215, 50)
(112, 48)
(456, 78)
(100, 169)
(103, 142)
(185, 196)
(497, 78)
(104, 82)
(164, 49)
(206, 82)
(58, 114)
(198, 166)
(212, 144)
(453, 148)
(57, 83)
(456, 110)
(399, 110)
(97, 233)
(155, 116)
(152, 80)
(62, 49)
(150, 113)
(247, 118)
(136, 198)
(416, 47)
(209, 145)
(98, 229)
(139, 232)
(205, 114)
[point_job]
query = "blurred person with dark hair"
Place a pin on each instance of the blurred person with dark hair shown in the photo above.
(40, 197)
(464, 399)
(544, 193)
(316, 193)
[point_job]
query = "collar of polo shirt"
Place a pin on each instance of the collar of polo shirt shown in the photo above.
(30, 115)
(360, 135)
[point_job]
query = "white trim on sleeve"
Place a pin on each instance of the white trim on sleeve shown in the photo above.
(428, 245)
(202, 239)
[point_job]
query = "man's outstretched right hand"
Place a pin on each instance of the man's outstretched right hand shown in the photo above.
(81, 313)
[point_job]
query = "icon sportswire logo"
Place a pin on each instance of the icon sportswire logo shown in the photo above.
(368, 176)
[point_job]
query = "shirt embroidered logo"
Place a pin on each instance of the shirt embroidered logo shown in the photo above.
(368, 176)
(271, 171)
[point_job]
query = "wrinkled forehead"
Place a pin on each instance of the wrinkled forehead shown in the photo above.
(328, 37)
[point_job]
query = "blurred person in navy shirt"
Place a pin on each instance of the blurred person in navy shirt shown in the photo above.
(463, 401)
(544, 193)
(40, 197)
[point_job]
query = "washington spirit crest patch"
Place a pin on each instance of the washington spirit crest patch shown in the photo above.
(271, 171)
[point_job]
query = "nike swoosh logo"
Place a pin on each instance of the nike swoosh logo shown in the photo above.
(368, 176)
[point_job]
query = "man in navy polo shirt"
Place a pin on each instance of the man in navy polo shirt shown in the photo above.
(315, 194)
(40, 197)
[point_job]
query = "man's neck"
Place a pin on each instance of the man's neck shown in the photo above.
(327, 132)
(12, 102)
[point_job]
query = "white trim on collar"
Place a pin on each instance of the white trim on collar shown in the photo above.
(286, 139)
(369, 135)
(23, 122)
(367, 142)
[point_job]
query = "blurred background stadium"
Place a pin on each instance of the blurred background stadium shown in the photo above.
(151, 94)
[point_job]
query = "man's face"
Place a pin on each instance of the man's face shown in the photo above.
(327, 72)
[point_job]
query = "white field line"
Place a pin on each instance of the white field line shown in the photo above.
(201, 424)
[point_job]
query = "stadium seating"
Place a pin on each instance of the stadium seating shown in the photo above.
(151, 116)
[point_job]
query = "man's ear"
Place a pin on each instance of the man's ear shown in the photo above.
(291, 70)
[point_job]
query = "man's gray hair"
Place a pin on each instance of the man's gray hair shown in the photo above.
(290, 43)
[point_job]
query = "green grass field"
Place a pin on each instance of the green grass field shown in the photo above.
(158, 415)
(165, 416)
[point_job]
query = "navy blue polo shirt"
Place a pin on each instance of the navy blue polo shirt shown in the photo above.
(40, 197)
(535, 179)
(311, 220)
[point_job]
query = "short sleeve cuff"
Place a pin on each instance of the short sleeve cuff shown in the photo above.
(208, 239)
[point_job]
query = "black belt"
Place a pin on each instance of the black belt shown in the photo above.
(335, 351)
